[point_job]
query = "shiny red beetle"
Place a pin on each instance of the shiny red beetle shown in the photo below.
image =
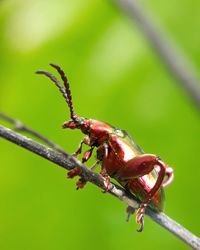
(143, 175)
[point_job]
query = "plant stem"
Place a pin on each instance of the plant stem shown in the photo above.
(176, 63)
(19, 126)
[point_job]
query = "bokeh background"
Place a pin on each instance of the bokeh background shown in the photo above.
(116, 77)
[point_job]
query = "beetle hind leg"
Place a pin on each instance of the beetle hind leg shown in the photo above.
(139, 215)
(139, 167)
(130, 211)
(149, 196)
(140, 218)
(170, 176)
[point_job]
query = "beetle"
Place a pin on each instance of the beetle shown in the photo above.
(143, 175)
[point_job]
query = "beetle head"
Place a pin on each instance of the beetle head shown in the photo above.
(80, 123)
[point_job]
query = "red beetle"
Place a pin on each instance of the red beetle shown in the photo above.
(143, 175)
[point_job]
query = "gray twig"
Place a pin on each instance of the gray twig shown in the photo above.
(19, 126)
(68, 162)
(176, 63)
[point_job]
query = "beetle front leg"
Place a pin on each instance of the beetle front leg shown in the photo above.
(76, 171)
(82, 182)
(87, 154)
(86, 140)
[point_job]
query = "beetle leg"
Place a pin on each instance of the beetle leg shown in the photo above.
(158, 183)
(86, 141)
(129, 210)
(138, 167)
(140, 218)
(76, 171)
(87, 154)
(103, 171)
(73, 172)
(169, 173)
(82, 182)
(95, 165)
(106, 179)
(79, 150)
(170, 176)
(102, 152)
(141, 210)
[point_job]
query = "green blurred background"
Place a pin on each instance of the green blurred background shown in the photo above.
(115, 77)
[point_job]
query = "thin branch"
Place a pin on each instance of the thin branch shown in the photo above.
(176, 63)
(68, 162)
(19, 126)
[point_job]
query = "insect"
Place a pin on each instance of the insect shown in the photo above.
(143, 175)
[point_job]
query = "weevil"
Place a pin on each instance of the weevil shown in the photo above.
(143, 175)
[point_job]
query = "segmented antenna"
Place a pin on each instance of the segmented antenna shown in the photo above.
(66, 92)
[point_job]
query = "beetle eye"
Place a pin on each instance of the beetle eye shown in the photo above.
(85, 126)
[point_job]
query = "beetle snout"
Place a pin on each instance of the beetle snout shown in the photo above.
(69, 124)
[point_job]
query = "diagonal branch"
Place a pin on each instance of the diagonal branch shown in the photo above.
(175, 62)
(68, 162)
(19, 126)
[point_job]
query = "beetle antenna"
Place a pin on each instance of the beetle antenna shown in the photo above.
(66, 92)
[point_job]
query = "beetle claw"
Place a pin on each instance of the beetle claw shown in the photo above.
(80, 183)
(73, 172)
(141, 224)
(140, 217)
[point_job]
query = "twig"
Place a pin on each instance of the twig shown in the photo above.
(68, 162)
(175, 62)
(19, 126)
